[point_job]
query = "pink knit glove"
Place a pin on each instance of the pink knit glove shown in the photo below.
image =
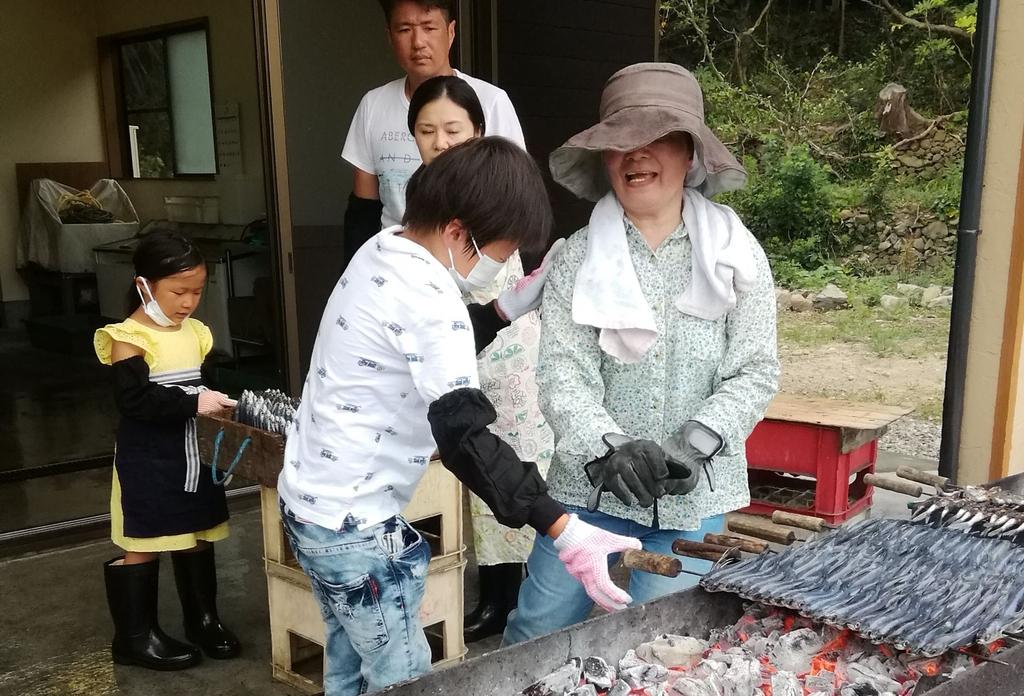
(584, 550)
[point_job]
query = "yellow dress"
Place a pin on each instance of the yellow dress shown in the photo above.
(163, 351)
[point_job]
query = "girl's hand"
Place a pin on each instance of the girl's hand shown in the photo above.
(210, 401)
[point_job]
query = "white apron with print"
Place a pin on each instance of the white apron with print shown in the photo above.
(507, 376)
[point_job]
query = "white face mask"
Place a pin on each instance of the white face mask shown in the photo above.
(482, 275)
(152, 308)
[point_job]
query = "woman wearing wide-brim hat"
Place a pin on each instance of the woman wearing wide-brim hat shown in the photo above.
(658, 348)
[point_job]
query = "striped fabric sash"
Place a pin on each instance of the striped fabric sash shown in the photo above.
(189, 381)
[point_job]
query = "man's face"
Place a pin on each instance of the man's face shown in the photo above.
(421, 40)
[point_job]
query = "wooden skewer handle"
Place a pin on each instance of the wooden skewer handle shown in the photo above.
(912, 474)
(914, 490)
(685, 547)
(763, 530)
(792, 519)
(657, 563)
(741, 543)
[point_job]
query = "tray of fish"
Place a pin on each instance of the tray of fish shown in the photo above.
(248, 441)
(921, 589)
(270, 410)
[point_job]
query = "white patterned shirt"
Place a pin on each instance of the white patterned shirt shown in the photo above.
(395, 336)
(722, 373)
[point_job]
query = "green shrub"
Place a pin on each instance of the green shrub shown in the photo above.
(788, 206)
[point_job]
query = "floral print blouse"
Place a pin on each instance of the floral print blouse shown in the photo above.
(722, 373)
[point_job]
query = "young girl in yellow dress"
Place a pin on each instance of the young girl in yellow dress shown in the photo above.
(162, 497)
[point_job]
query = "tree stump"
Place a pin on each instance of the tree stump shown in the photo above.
(895, 116)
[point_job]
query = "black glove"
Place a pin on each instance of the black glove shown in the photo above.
(688, 450)
(634, 470)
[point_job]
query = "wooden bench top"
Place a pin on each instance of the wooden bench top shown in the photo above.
(858, 423)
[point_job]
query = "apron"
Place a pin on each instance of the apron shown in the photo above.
(508, 378)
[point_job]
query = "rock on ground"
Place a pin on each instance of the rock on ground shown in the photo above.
(799, 303)
(892, 302)
(831, 297)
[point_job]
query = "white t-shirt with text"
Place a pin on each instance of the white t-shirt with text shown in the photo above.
(379, 141)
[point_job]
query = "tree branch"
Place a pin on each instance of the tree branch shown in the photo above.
(917, 24)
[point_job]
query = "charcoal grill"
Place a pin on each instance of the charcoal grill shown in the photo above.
(693, 612)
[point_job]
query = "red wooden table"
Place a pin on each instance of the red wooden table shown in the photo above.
(810, 455)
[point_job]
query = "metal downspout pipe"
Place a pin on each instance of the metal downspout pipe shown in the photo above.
(967, 238)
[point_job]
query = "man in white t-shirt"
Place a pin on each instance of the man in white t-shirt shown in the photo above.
(379, 145)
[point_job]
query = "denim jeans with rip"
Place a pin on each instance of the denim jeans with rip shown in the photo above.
(369, 584)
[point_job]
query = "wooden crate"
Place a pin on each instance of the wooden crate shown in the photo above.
(814, 453)
(263, 457)
(435, 510)
(297, 629)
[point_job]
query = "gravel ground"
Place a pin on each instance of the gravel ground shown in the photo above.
(913, 437)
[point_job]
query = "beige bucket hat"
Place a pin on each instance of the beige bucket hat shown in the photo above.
(640, 104)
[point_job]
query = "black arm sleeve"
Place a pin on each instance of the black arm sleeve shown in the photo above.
(514, 490)
(138, 398)
(486, 323)
(362, 221)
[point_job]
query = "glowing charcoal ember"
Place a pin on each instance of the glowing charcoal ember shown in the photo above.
(562, 681)
(795, 650)
(688, 686)
(786, 684)
(598, 672)
(672, 651)
(628, 660)
(644, 676)
(620, 688)
(585, 690)
(743, 676)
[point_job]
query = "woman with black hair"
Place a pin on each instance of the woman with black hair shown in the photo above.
(445, 111)
(162, 497)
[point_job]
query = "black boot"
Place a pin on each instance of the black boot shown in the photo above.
(195, 574)
(138, 640)
(499, 592)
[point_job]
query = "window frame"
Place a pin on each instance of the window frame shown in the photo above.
(115, 111)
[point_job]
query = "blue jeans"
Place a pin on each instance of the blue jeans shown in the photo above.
(550, 599)
(370, 585)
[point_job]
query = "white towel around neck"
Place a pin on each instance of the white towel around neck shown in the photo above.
(608, 296)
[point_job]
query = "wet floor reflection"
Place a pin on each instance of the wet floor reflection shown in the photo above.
(53, 407)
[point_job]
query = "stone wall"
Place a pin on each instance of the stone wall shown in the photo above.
(930, 155)
(906, 239)
(909, 238)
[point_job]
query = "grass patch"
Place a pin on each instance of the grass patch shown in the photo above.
(907, 331)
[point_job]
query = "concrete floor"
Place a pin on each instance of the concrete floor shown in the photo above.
(55, 629)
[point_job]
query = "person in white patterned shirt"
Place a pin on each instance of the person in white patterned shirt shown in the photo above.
(393, 373)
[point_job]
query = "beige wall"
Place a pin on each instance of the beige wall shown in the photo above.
(233, 61)
(49, 105)
(51, 108)
(1003, 160)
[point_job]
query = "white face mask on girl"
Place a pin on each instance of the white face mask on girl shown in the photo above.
(482, 275)
(152, 308)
